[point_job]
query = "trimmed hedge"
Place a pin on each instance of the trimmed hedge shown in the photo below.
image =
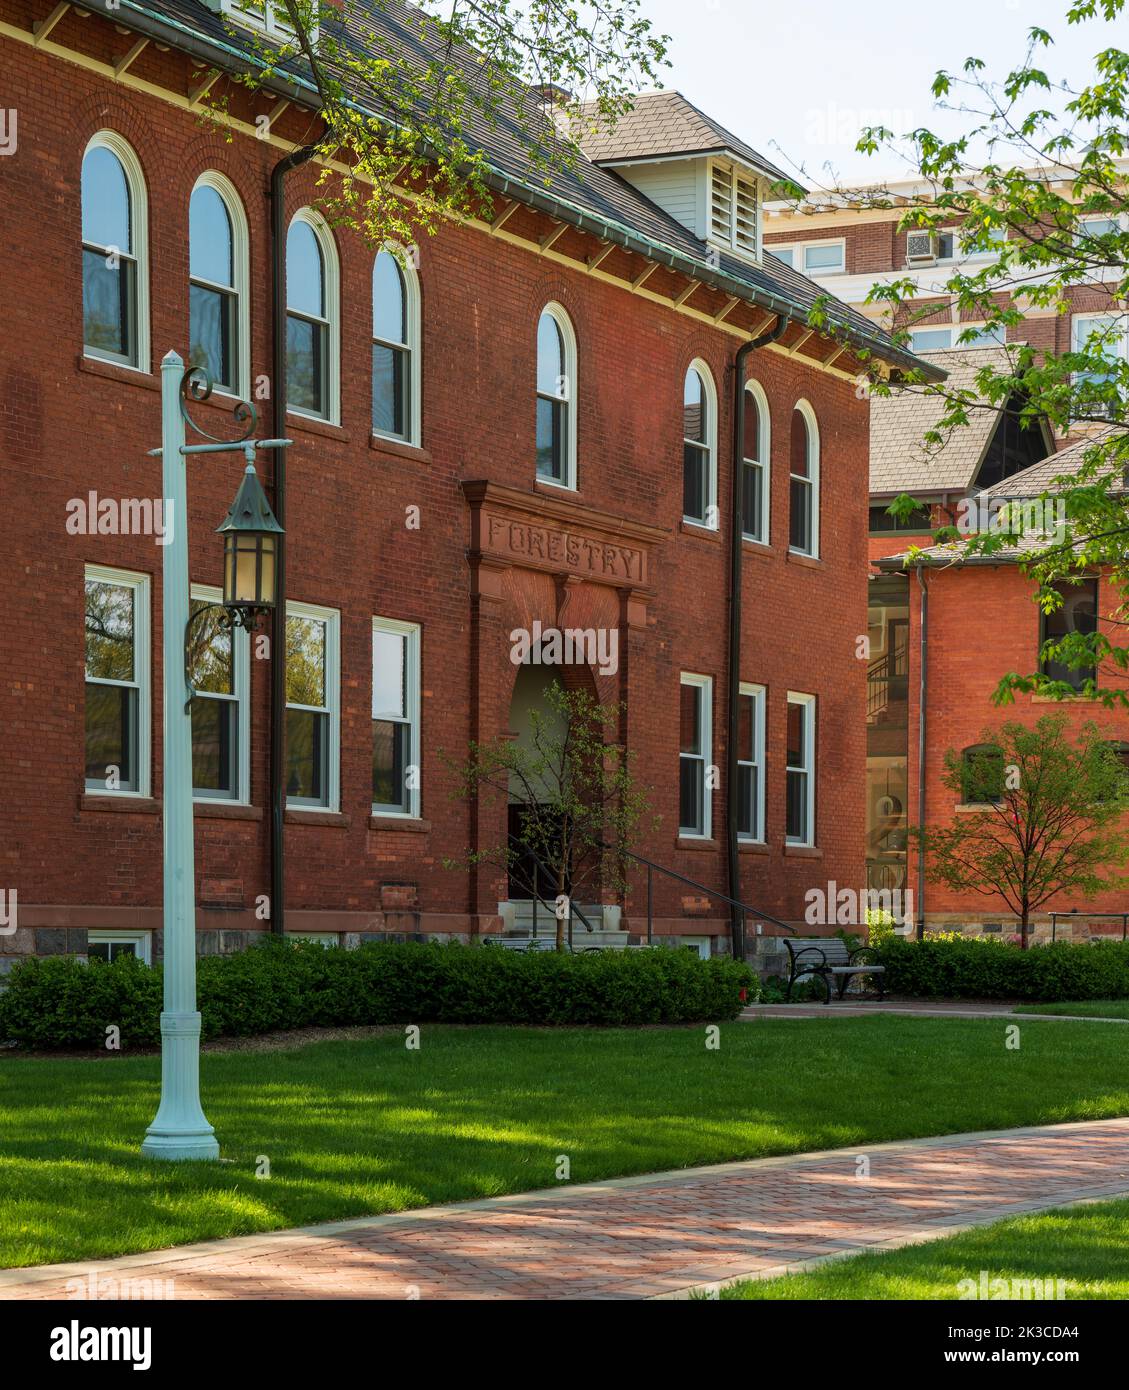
(985, 968)
(59, 1002)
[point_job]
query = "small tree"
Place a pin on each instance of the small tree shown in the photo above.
(580, 804)
(1049, 817)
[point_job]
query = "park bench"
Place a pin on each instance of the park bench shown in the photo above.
(830, 958)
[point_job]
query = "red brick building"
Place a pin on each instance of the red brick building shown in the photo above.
(444, 490)
(982, 619)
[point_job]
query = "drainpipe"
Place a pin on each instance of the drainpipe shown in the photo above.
(922, 663)
(278, 624)
(736, 556)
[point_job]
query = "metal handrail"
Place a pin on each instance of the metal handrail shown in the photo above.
(743, 908)
(1123, 917)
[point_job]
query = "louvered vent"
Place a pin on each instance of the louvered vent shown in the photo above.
(745, 225)
(733, 209)
(721, 205)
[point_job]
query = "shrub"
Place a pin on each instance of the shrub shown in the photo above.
(963, 967)
(60, 1002)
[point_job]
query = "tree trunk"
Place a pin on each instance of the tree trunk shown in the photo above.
(1024, 923)
(561, 921)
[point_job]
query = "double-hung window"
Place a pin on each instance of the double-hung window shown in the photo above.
(803, 534)
(395, 718)
(395, 348)
(114, 280)
(218, 667)
(312, 317)
(1078, 613)
(755, 485)
(699, 447)
(695, 726)
(217, 286)
(799, 825)
(750, 763)
(312, 706)
(556, 398)
(117, 682)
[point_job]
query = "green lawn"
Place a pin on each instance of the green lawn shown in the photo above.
(356, 1127)
(1084, 1008)
(1083, 1245)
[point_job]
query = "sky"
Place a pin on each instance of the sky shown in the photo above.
(798, 79)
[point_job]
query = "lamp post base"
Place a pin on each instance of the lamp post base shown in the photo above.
(179, 1129)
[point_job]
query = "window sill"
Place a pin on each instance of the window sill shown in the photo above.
(760, 548)
(803, 851)
(123, 805)
(811, 562)
(752, 847)
(335, 820)
(311, 425)
(975, 808)
(226, 810)
(694, 842)
(410, 825)
(701, 530)
(1065, 700)
(114, 371)
(548, 489)
(398, 449)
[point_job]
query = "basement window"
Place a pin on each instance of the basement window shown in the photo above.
(112, 945)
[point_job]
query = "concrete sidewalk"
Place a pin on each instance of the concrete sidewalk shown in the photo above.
(642, 1237)
(917, 1008)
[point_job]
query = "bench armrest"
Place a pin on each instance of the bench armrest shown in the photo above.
(810, 951)
(862, 950)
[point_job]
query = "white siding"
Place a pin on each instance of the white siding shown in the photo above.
(673, 185)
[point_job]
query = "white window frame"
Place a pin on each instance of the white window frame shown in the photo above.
(412, 632)
(268, 23)
(954, 331)
(705, 684)
(142, 673)
(764, 462)
(812, 424)
(139, 233)
(559, 314)
(799, 250)
(409, 279)
(142, 941)
(241, 276)
(241, 694)
(757, 692)
(1104, 314)
(808, 768)
(712, 520)
(331, 617)
(332, 272)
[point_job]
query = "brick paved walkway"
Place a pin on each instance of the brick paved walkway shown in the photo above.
(648, 1236)
(919, 1008)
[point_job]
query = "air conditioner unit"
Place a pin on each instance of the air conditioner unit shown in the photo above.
(921, 248)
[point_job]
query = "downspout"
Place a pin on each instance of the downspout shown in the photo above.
(922, 662)
(736, 555)
(278, 624)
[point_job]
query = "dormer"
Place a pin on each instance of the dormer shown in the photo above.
(698, 172)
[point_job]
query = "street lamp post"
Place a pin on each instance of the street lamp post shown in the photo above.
(180, 1129)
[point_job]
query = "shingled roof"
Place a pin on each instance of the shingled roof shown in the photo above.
(899, 459)
(584, 194)
(665, 125)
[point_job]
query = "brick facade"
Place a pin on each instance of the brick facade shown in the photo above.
(69, 424)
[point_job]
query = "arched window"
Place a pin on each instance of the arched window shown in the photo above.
(556, 396)
(395, 349)
(803, 531)
(982, 774)
(311, 317)
(115, 299)
(217, 284)
(756, 488)
(699, 447)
